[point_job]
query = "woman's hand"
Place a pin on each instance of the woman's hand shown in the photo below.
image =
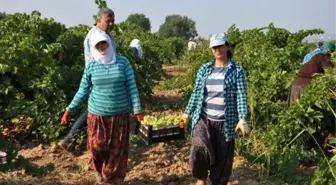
(243, 127)
(184, 120)
(65, 118)
(316, 74)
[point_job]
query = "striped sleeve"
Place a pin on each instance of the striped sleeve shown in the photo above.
(242, 95)
(82, 93)
(132, 87)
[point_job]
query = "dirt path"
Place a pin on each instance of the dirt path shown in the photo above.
(158, 164)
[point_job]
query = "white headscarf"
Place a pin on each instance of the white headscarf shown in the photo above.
(137, 44)
(108, 56)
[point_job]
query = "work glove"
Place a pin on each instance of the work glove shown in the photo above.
(316, 74)
(184, 120)
(65, 118)
(139, 117)
(243, 127)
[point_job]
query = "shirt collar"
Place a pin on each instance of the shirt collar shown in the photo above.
(98, 28)
(229, 65)
(102, 30)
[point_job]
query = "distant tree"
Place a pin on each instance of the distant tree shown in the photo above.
(140, 20)
(101, 3)
(2, 15)
(178, 26)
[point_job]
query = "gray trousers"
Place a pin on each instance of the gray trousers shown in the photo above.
(295, 93)
(210, 152)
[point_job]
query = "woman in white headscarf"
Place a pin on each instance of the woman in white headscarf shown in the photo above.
(136, 46)
(109, 85)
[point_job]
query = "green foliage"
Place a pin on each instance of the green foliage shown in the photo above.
(326, 173)
(140, 20)
(269, 67)
(101, 3)
(172, 83)
(71, 57)
(175, 45)
(42, 63)
(193, 59)
(282, 134)
(323, 175)
(31, 75)
(148, 71)
(2, 15)
(15, 161)
(44, 30)
(178, 26)
(234, 36)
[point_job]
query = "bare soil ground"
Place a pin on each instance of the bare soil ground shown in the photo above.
(162, 163)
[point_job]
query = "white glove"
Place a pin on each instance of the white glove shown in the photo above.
(243, 126)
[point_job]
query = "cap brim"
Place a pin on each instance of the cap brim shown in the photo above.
(216, 43)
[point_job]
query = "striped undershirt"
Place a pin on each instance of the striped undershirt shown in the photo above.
(213, 105)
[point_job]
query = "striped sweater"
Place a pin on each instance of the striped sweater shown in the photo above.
(111, 89)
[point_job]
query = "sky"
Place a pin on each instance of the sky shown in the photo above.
(212, 16)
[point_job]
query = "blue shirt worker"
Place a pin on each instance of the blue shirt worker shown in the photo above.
(217, 109)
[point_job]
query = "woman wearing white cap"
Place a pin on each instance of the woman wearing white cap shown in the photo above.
(110, 86)
(216, 110)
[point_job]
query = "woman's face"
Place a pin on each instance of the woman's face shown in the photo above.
(102, 46)
(219, 52)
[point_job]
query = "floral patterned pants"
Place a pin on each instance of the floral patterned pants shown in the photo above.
(108, 144)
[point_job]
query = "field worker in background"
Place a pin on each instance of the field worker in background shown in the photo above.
(311, 69)
(110, 86)
(191, 44)
(216, 110)
(136, 47)
(321, 48)
(104, 24)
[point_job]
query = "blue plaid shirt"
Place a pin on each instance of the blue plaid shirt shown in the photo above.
(235, 97)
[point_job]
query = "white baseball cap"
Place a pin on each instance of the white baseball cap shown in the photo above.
(217, 40)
